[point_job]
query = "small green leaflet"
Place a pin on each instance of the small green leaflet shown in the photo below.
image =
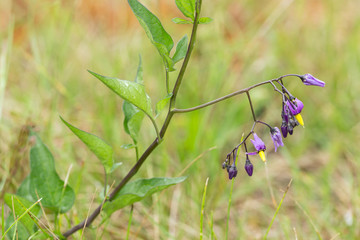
(45, 183)
(99, 147)
(137, 190)
(178, 20)
(162, 103)
(205, 20)
(187, 7)
(130, 91)
(181, 49)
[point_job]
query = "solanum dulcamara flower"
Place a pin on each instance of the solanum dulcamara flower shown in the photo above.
(295, 106)
(276, 137)
(259, 146)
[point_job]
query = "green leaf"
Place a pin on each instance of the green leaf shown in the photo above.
(152, 26)
(24, 190)
(19, 209)
(130, 91)
(137, 190)
(187, 7)
(178, 20)
(205, 20)
(181, 49)
(162, 103)
(99, 147)
(128, 146)
(45, 182)
(21, 231)
(139, 74)
(133, 115)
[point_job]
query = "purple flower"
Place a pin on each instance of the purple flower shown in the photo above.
(309, 80)
(259, 146)
(249, 167)
(295, 106)
(276, 137)
(232, 171)
(258, 143)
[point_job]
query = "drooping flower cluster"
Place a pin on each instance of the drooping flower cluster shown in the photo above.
(291, 117)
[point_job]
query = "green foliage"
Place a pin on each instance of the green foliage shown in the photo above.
(25, 226)
(130, 91)
(187, 7)
(45, 182)
(133, 116)
(178, 20)
(181, 49)
(137, 190)
(99, 147)
(205, 20)
(155, 32)
(162, 104)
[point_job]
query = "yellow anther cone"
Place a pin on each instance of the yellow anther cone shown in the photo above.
(262, 156)
(299, 119)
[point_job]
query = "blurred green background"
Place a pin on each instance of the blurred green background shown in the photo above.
(47, 46)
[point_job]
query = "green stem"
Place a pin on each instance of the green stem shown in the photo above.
(129, 224)
(228, 210)
(167, 81)
(202, 210)
(188, 53)
(277, 210)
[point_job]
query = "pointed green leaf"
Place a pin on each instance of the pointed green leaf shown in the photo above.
(130, 91)
(20, 206)
(99, 147)
(137, 190)
(45, 183)
(152, 25)
(181, 49)
(205, 20)
(187, 7)
(162, 103)
(178, 20)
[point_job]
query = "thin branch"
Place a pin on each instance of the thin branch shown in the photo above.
(176, 110)
(251, 106)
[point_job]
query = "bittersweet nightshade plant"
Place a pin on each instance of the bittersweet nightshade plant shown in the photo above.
(138, 105)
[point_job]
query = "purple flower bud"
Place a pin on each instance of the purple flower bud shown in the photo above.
(232, 171)
(276, 137)
(258, 143)
(309, 80)
(249, 167)
(284, 129)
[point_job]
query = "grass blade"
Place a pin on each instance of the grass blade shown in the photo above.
(278, 209)
(202, 209)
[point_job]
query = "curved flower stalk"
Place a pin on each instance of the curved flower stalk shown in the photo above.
(290, 114)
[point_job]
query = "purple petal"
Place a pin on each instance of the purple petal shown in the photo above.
(258, 143)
